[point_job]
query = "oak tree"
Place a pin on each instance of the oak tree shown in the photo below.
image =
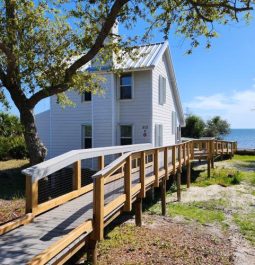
(45, 44)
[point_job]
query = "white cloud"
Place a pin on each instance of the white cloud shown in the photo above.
(236, 107)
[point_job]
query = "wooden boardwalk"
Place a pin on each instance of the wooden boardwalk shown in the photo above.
(53, 231)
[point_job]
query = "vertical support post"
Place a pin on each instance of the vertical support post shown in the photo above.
(208, 168)
(142, 175)
(174, 158)
(138, 212)
(77, 175)
(98, 208)
(128, 184)
(216, 147)
(156, 168)
(227, 148)
(92, 251)
(163, 196)
(166, 162)
(31, 195)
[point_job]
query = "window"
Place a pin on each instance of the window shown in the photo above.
(86, 136)
(174, 122)
(86, 96)
(158, 135)
(126, 134)
(162, 90)
(126, 86)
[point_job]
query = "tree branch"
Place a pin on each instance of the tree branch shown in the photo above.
(108, 24)
(225, 4)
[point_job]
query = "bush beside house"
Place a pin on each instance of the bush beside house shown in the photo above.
(12, 143)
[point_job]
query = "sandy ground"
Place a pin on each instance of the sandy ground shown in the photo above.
(239, 201)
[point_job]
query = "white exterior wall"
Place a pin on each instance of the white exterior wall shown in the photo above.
(104, 114)
(138, 110)
(66, 124)
(43, 125)
(162, 114)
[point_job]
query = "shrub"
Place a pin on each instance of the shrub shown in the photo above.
(13, 147)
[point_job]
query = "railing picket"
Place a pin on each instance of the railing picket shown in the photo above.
(128, 184)
(174, 158)
(166, 162)
(156, 168)
(142, 175)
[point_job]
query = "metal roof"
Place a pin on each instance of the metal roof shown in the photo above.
(141, 56)
(144, 56)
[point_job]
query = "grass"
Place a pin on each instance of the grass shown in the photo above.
(202, 212)
(243, 169)
(12, 181)
(246, 224)
(119, 236)
(221, 176)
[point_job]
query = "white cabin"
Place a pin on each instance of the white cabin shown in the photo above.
(142, 105)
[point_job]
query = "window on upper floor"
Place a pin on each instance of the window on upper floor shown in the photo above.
(86, 136)
(126, 134)
(86, 96)
(162, 90)
(126, 86)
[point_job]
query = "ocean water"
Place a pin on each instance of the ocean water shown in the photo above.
(245, 138)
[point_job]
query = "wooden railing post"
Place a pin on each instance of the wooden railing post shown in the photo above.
(184, 153)
(174, 158)
(77, 175)
(227, 148)
(179, 175)
(100, 162)
(156, 168)
(192, 150)
(128, 184)
(212, 153)
(31, 195)
(142, 175)
(166, 162)
(98, 208)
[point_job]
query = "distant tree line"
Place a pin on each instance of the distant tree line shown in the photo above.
(12, 142)
(196, 127)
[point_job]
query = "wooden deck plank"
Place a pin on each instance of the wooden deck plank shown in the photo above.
(20, 245)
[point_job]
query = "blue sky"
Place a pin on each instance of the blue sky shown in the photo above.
(215, 81)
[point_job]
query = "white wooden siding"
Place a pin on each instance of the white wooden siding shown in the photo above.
(162, 114)
(66, 124)
(138, 111)
(43, 125)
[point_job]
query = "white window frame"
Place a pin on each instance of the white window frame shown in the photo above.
(83, 97)
(132, 132)
(132, 87)
(83, 136)
(162, 90)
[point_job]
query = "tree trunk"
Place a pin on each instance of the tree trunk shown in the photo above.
(37, 151)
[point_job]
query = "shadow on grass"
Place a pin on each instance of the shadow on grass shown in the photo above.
(12, 183)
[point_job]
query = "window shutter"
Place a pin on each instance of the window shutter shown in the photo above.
(164, 90)
(160, 90)
(173, 122)
(160, 135)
